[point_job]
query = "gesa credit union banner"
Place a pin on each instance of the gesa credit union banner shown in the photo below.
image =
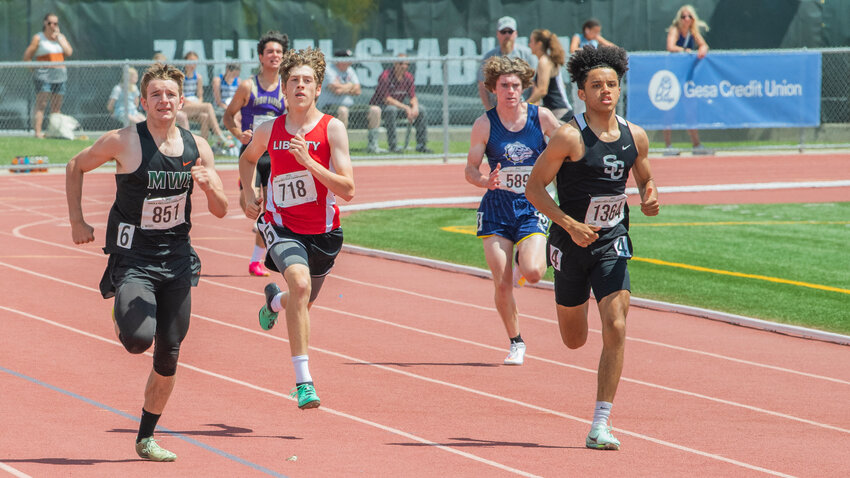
(724, 90)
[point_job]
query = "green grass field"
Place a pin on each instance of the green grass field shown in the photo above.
(59, 151)
(781, 262)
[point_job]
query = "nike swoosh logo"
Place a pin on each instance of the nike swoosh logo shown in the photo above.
(626, 147)
(188, 163)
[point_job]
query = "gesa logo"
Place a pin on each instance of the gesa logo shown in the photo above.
(664, 90)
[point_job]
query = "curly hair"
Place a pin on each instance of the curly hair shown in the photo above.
(589, 58)
(161, 71)
(496, 66)
(315, 59)
(274, 36)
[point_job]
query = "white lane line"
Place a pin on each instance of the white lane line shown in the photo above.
(657, 441)
(258, 388)
(13, 471)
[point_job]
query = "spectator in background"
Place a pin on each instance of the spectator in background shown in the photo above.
(182, 119)
(548, 86)
(591, 34)
(224, 86)
(48, 45)
(199, 110)
(506, 34)
(395, 96)
(684, 36)
(123, 103)
(340, 86)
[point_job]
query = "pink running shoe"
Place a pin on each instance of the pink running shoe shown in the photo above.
(258, 269)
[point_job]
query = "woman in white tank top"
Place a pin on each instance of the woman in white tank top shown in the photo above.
(48, 45)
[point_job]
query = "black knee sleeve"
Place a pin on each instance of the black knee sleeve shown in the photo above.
(165, 359)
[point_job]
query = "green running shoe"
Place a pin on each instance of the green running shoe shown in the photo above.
(600, 438)
(307, 397)
(147, 448)
(267, 317)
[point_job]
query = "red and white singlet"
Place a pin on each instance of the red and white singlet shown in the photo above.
(296, 200)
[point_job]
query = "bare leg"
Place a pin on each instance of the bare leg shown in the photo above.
(182, 119)
(38, 113)
(157, 392)
(342, 114)
(694, 134)
(668, 138)
(213, 121)
(298, 283)
(572, 322)
(613, 309)
(374, 117)
(56, 103)
(499, 252)
(532, 257)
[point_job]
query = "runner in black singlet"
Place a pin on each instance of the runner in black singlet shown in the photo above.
(589, 245)
(152, 265)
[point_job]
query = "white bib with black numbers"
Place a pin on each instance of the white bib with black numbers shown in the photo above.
(292, 189)
(514, 178)
(164, 213)
(606, 211)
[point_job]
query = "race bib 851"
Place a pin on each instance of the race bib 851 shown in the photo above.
(164, 213)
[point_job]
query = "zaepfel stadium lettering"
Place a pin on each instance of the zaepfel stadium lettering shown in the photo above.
(752, 89)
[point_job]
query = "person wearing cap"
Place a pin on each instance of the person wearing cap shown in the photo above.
(340, 87)
(506, 35)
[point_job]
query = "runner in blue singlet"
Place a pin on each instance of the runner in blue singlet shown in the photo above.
(511, 135)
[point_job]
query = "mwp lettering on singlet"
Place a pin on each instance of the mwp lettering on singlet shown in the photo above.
(169, 179)
(284, 145)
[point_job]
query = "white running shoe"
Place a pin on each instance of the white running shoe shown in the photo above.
(517, 354)
(600, 438)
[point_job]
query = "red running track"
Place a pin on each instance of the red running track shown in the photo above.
(407, 361)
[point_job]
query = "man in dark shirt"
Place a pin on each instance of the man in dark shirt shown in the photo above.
(152, 265)
(395, 96)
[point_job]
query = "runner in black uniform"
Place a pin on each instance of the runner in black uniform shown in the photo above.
(152, 265)
(589, 245)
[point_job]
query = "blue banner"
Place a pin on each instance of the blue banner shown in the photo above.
(724, 90)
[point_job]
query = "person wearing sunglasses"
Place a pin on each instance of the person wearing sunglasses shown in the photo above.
(684, 35)
(506, 35)
(48, 45)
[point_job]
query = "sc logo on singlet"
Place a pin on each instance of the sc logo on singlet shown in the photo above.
(664, 90)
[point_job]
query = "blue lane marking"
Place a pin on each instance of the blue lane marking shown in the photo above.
(136, 419)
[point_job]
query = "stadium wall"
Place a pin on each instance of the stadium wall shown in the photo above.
(221, 29)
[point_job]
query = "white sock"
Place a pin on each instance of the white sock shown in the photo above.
(259, 254)
(601, 413)
(302, 371)
(276, 305)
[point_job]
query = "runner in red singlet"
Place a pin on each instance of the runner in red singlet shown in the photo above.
(310, 166)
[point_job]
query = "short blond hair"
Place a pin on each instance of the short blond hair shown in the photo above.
(161, 71)
(315, 59)
(496, 66)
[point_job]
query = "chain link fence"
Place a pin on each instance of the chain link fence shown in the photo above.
(448, 94)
